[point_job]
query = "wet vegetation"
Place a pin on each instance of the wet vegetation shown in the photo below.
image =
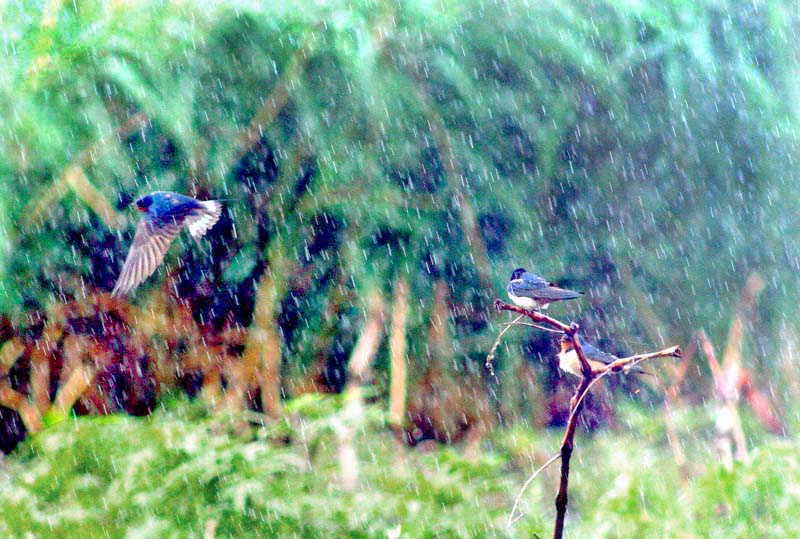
(315, 366)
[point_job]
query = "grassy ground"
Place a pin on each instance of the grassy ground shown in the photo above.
(179, 472)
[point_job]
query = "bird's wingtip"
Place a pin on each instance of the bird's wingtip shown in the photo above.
(118, 291)
(215, 208)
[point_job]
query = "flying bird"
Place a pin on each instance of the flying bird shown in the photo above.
(165, 214)
(532, 292)
(568, 360)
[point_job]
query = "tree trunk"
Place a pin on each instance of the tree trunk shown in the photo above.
(261, 363)
(397, 352)
(40, 366)
(358, 371)
(76, 377)
(18, 402)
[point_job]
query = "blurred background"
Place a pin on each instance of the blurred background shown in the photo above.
(315, 366)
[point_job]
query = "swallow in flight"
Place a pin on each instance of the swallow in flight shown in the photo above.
(530, 291)
(165, 214)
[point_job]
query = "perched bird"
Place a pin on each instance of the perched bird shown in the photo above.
(532, 292)
(165, 214)
(568, 358)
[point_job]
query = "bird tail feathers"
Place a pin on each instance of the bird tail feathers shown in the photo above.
(206, 218)
(637, 370)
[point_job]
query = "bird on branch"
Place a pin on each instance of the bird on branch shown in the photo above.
(530, 291)
(568, 360)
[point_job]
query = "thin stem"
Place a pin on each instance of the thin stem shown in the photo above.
(551, 460)
(626, 363)
(490, 357)
(577, 401)
(533, 315)
(567, 445)
(515, 322)
(586, 368)
(536, 326)
(588, 378)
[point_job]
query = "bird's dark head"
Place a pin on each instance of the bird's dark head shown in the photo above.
(144, 203)
(517, 273)
(566, 343)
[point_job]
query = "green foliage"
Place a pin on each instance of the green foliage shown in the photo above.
(168, 475)
(562, 116)
(640, 494)
(587, 136)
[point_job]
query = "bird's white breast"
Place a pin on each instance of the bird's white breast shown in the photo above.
(569, 362)
(525, 302)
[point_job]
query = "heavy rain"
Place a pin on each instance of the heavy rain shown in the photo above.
(399, 269)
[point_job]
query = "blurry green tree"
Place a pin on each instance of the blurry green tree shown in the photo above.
(358, 143)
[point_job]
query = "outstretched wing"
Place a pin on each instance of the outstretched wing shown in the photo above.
(150, 243)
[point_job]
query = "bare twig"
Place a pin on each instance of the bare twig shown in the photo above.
(588, 378)
(576, 403)
(628, 362)
(537, 326)
(533, 315)
(551, 460)
(586, 368)
(516, 322)
(635, 360)
(490, 357)
(567, 445)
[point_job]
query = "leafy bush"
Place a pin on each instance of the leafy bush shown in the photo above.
(166, 476)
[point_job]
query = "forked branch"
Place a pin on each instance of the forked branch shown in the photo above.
(588, 377)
